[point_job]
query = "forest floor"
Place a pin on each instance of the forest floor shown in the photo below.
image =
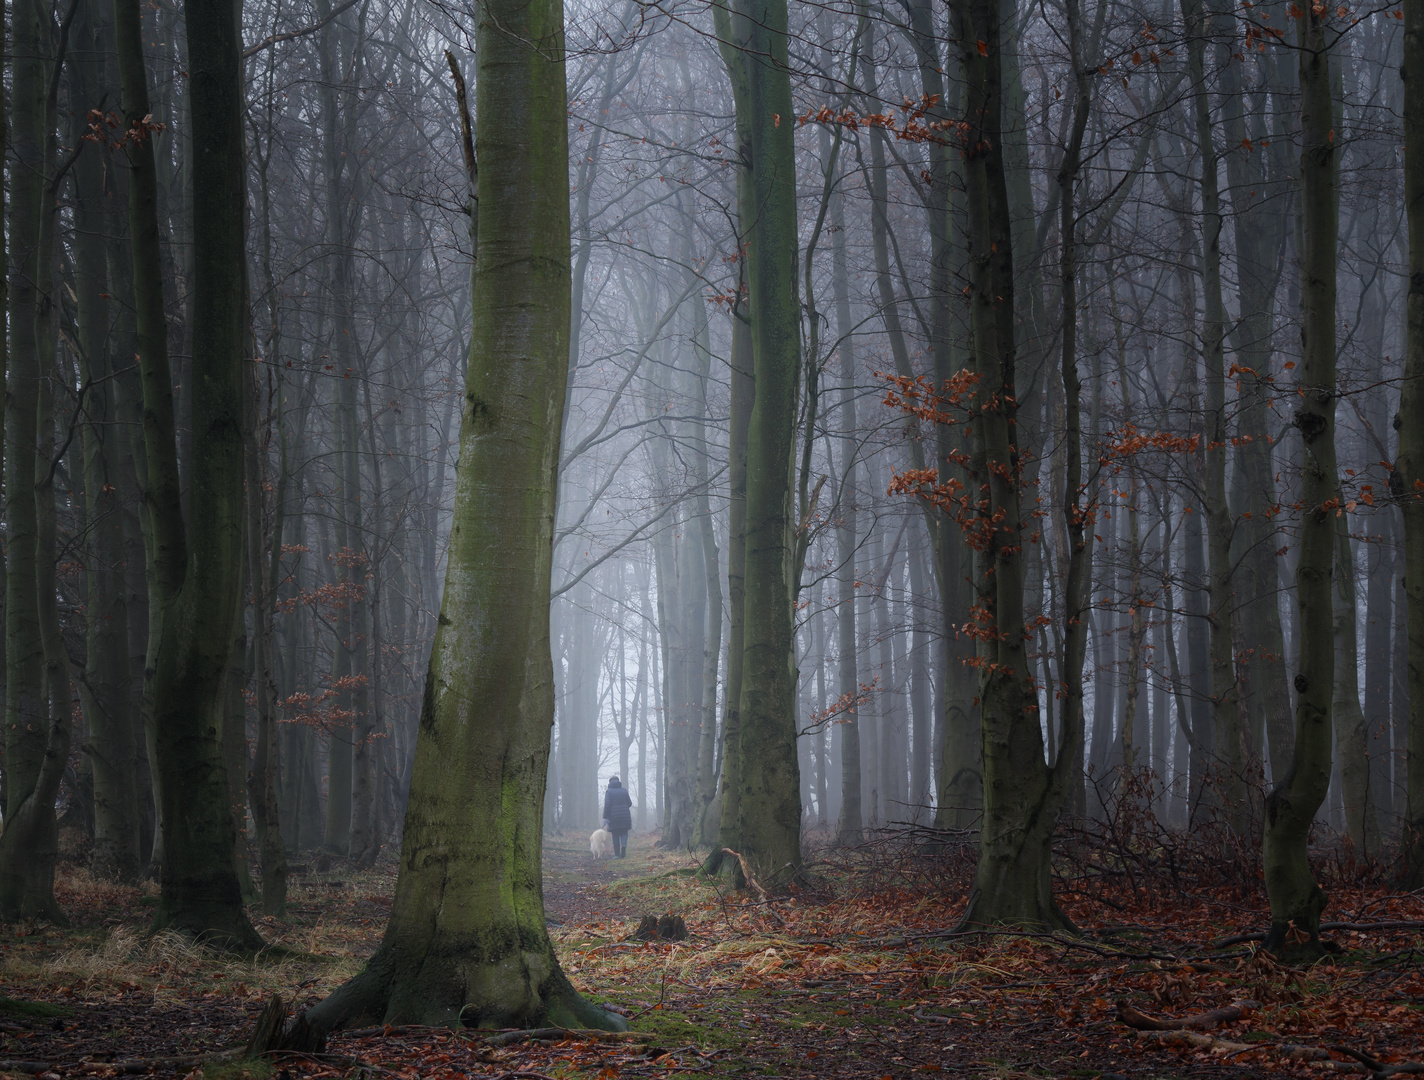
(860, 975)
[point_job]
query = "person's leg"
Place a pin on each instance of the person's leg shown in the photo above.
(620, 844)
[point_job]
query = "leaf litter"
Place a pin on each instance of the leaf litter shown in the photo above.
(861, 974)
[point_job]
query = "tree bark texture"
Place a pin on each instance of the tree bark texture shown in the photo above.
(1022, 798)
(200, 893)
(1226, 787)
(466, 942)
(1411, 444)
(770, 804)
(36, 742)
(1296, 900)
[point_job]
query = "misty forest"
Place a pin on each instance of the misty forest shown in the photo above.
(941, 483)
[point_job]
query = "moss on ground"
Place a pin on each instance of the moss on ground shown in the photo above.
(16, 1009)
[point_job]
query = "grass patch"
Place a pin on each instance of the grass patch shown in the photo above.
(676, 1028)
(17, 1009)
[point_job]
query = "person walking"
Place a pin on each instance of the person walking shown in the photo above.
(618, 815)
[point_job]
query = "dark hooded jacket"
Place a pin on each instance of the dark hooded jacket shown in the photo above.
(618, 807)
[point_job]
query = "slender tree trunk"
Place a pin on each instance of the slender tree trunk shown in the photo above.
(1228, 785)
(1410, 466)
(1352, 736)
(1296, 899)
(104, 688)
(162, 513)
(743, 396)
(770, 804)
(264, 566)
(1022, 800)
(847, 725)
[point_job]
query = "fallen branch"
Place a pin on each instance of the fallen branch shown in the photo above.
(508, 1038)
(1260, 935)
(746, 871)
(1227, 1014)
(1373, 1065)
(1195, 1040)
(127, 1067)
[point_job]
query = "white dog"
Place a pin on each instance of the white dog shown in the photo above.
(600, 843)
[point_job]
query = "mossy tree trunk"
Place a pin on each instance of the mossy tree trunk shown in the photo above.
(1296, 899)
(466, 942)
(770, 804)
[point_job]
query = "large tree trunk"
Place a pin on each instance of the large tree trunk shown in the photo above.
(1411, 444)
(1296, 899)
(770, 803)
(466, 942)
(36, 740)
(200, 592)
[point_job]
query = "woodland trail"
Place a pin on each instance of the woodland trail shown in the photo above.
(856, 980)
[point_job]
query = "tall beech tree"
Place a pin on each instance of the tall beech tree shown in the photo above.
(198, 569)
(1410, 465)
(36, 727)
(770, 799)
(467, 942)
(1023, 795)
(1296, 899)
(1227, 788)
(106, 686)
